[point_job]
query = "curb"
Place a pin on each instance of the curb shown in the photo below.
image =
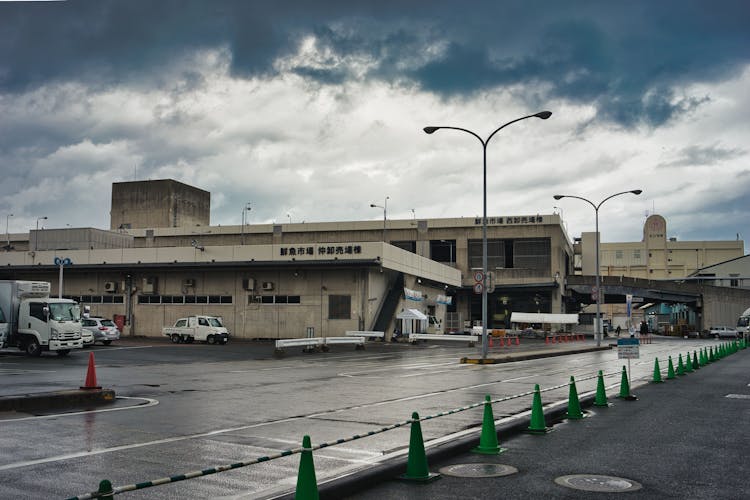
(57, 399)
(532, 355)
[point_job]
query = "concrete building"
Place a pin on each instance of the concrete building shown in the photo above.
(282, 280)
(733, 273)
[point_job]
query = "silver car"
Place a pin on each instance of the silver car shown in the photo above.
(104, 330)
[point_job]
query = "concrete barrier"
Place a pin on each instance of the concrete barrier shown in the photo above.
(316, 343)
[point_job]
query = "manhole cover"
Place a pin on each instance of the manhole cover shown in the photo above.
(597, 483)
(478, 470)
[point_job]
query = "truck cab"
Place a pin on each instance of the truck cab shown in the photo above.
(49, 324)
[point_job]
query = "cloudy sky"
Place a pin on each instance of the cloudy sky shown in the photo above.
(312, 110)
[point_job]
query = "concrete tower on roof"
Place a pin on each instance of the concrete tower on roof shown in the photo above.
(157, 204)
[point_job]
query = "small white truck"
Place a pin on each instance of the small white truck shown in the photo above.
(32, 321)
(207, 329)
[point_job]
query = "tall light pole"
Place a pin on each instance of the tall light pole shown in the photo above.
(7, 233)
(36, 235)
(384, 206)
(429, 130)
(245, 209)
(598, 292)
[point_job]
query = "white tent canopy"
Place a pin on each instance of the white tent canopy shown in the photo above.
(411, 314)
(408, 317)
(549, 318)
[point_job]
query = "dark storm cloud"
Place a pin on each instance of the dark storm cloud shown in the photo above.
(624, 57)
(704, 155)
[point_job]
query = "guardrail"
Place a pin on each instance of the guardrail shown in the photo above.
(415, 337)
(364, 333)
(320, 343)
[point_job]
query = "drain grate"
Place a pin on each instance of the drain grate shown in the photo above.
(598, 483)
(478, 470)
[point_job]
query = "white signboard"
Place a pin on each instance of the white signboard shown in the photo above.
(628, 349)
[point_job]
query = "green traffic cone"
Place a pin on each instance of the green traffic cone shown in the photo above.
(601, 395)
(670, 370)
(307, 485)
(105, 490)
(416, 465)
(711, 356)
(696, 365)
(488, 444)
(625, 387)
(688, 364)
(537, 424)
(702, 358)
(680, 366)
(574, 405)
(657, 372)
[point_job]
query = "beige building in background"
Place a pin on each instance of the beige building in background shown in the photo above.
(656, 256)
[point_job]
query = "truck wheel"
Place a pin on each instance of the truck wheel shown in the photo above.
(33, 348)
(63, 352)
(224, 340)
(211, 339)
(175, 338)
(106, 342)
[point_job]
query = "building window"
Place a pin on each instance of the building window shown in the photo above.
(409, 246)
(172, 299)
(273, 299)
(532, 254)
(339, 306)
(495, 254)
(618, 254)
(636, 255)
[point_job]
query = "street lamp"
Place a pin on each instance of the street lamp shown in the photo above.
(245, 209)
(36, 235)
(598, 332)
(429, 130)
(384, 206)
(7, 233)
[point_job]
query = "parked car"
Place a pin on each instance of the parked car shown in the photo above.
(87, 336)
(723, 331)
(103, 330)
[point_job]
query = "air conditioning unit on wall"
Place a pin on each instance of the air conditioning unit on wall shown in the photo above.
(150, 284)
(110, 286)
(267, 286)
(248, 284)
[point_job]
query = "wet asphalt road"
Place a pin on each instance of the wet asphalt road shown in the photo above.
(198, 406)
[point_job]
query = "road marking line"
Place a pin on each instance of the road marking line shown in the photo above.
(149, 402)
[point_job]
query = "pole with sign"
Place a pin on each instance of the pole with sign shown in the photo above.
(628, 349)
(61, 263)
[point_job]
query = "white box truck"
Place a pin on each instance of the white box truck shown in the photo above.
(743, 323)
(34, 322)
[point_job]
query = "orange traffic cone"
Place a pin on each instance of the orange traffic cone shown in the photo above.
(490, 340)
(546, 339)
(518, 342)
(91, 375)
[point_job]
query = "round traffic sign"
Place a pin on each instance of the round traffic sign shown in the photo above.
(478, 276)
(478, 287)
